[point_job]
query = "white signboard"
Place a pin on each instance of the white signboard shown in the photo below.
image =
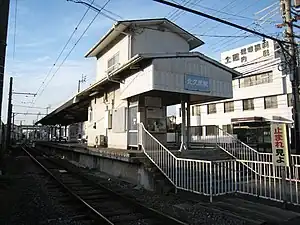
(280, 144)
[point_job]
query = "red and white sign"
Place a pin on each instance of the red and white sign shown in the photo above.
(280, 146)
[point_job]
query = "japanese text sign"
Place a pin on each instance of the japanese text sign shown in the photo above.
(280, 147)
(196, 83)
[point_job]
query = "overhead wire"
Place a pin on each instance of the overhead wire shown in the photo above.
(231, 14)
(175, 10)
(243, 10)
(71, 50)
(181, 12)
(63, 61)
(223, 42)
(62, 51)
(218, 11)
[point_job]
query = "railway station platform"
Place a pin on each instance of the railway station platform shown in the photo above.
(129, 165)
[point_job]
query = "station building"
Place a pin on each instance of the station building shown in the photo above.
(143, 66)
(261, 95)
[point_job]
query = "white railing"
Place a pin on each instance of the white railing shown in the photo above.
(235, 147)
(158, 154)
(185, 174)
(212, 178)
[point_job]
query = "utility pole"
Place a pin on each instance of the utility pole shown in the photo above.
(9, 115)
(293, 69)
(4, 12)
(82, 80)
(47, 109)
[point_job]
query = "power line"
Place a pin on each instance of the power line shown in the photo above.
(243, 10)
(223, 21)
(63, 49)
(72, 48)
(218, 11)
(230, 14)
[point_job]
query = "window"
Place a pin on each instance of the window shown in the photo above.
(227, 128)
(248, 104)
(228, 106)
(290, 99)
(265, 44)
(113, 62)
(257, 47)
(243, 51)
(250, 49)
(211, 130)
(227, 60)
(266, 53)
(211, 108)
(271, 102)
(266, 78)
(196, 110)
(179, 112)
(236, 57)
(262, 78)
(244, 59)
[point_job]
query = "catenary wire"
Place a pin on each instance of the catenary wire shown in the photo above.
(71, 50)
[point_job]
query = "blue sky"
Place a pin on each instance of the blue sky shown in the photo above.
(44, 26)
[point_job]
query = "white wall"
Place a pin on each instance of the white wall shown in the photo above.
(138, 83)
(221, 118)
(155, 41)
(115, 140)
(169, 76)
(252, 57)
(121, 47)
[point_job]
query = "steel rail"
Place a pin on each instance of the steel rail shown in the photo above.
(68, 189)
(140, 207)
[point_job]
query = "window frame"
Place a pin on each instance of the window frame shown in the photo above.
(269, 105)
(196, 110)
(230, 109)
(215, 108)
(252, 105)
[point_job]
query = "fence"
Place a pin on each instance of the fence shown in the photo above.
(212, 178)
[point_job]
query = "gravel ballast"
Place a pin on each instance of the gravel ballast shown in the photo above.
(174, 205)
(25, 199)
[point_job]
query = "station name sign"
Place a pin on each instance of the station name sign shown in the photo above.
(196, 83)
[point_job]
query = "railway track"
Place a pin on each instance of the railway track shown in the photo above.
(97, 204)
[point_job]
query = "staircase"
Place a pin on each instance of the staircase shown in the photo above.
(222, 166)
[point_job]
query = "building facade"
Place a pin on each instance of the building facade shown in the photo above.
(261, 95)
(155, 57)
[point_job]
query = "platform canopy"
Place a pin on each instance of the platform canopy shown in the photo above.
(76, 109)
